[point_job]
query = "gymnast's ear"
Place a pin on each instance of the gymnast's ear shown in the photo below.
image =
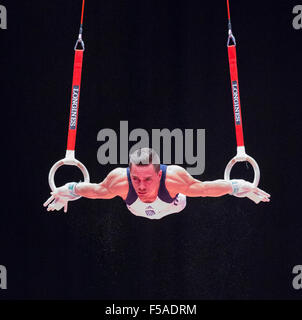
(160, 172)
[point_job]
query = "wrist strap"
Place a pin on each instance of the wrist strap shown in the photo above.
(71, 188)
(235, 186)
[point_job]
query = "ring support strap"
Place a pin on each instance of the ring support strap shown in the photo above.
(241, 154)
(235, 94)
(75, 98)
(74, 112)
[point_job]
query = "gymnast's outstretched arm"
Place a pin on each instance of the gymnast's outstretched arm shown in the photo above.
(179, 180)
(115, 184)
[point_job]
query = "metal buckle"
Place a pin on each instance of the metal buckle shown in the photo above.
(81, 42)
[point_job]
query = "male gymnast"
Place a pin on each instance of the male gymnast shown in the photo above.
(150, 189)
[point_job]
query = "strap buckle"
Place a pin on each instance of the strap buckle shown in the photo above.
(231, 37)
(81, 42)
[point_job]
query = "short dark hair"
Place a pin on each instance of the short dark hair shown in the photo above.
(143, 157)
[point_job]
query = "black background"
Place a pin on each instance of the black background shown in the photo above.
(156, 64)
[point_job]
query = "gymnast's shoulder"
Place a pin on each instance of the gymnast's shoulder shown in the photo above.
(117, 181)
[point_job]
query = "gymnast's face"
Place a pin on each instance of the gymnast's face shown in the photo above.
(145, 181)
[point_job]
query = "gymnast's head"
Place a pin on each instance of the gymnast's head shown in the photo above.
(145, 173)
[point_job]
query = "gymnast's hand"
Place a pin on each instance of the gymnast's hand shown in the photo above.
(242, 188)
(60, 197)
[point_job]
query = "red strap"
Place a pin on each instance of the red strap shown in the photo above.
(75, 98)
(82, 15)
(235, 93)
(228, 7)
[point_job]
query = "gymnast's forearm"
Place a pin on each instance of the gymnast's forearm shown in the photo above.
(92, 190)
(217, 188)
(214, 188)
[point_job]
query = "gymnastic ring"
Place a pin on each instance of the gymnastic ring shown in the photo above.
(241, 158)
(69, 162)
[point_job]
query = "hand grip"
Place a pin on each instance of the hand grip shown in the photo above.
(241, 158)
(69, 162)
